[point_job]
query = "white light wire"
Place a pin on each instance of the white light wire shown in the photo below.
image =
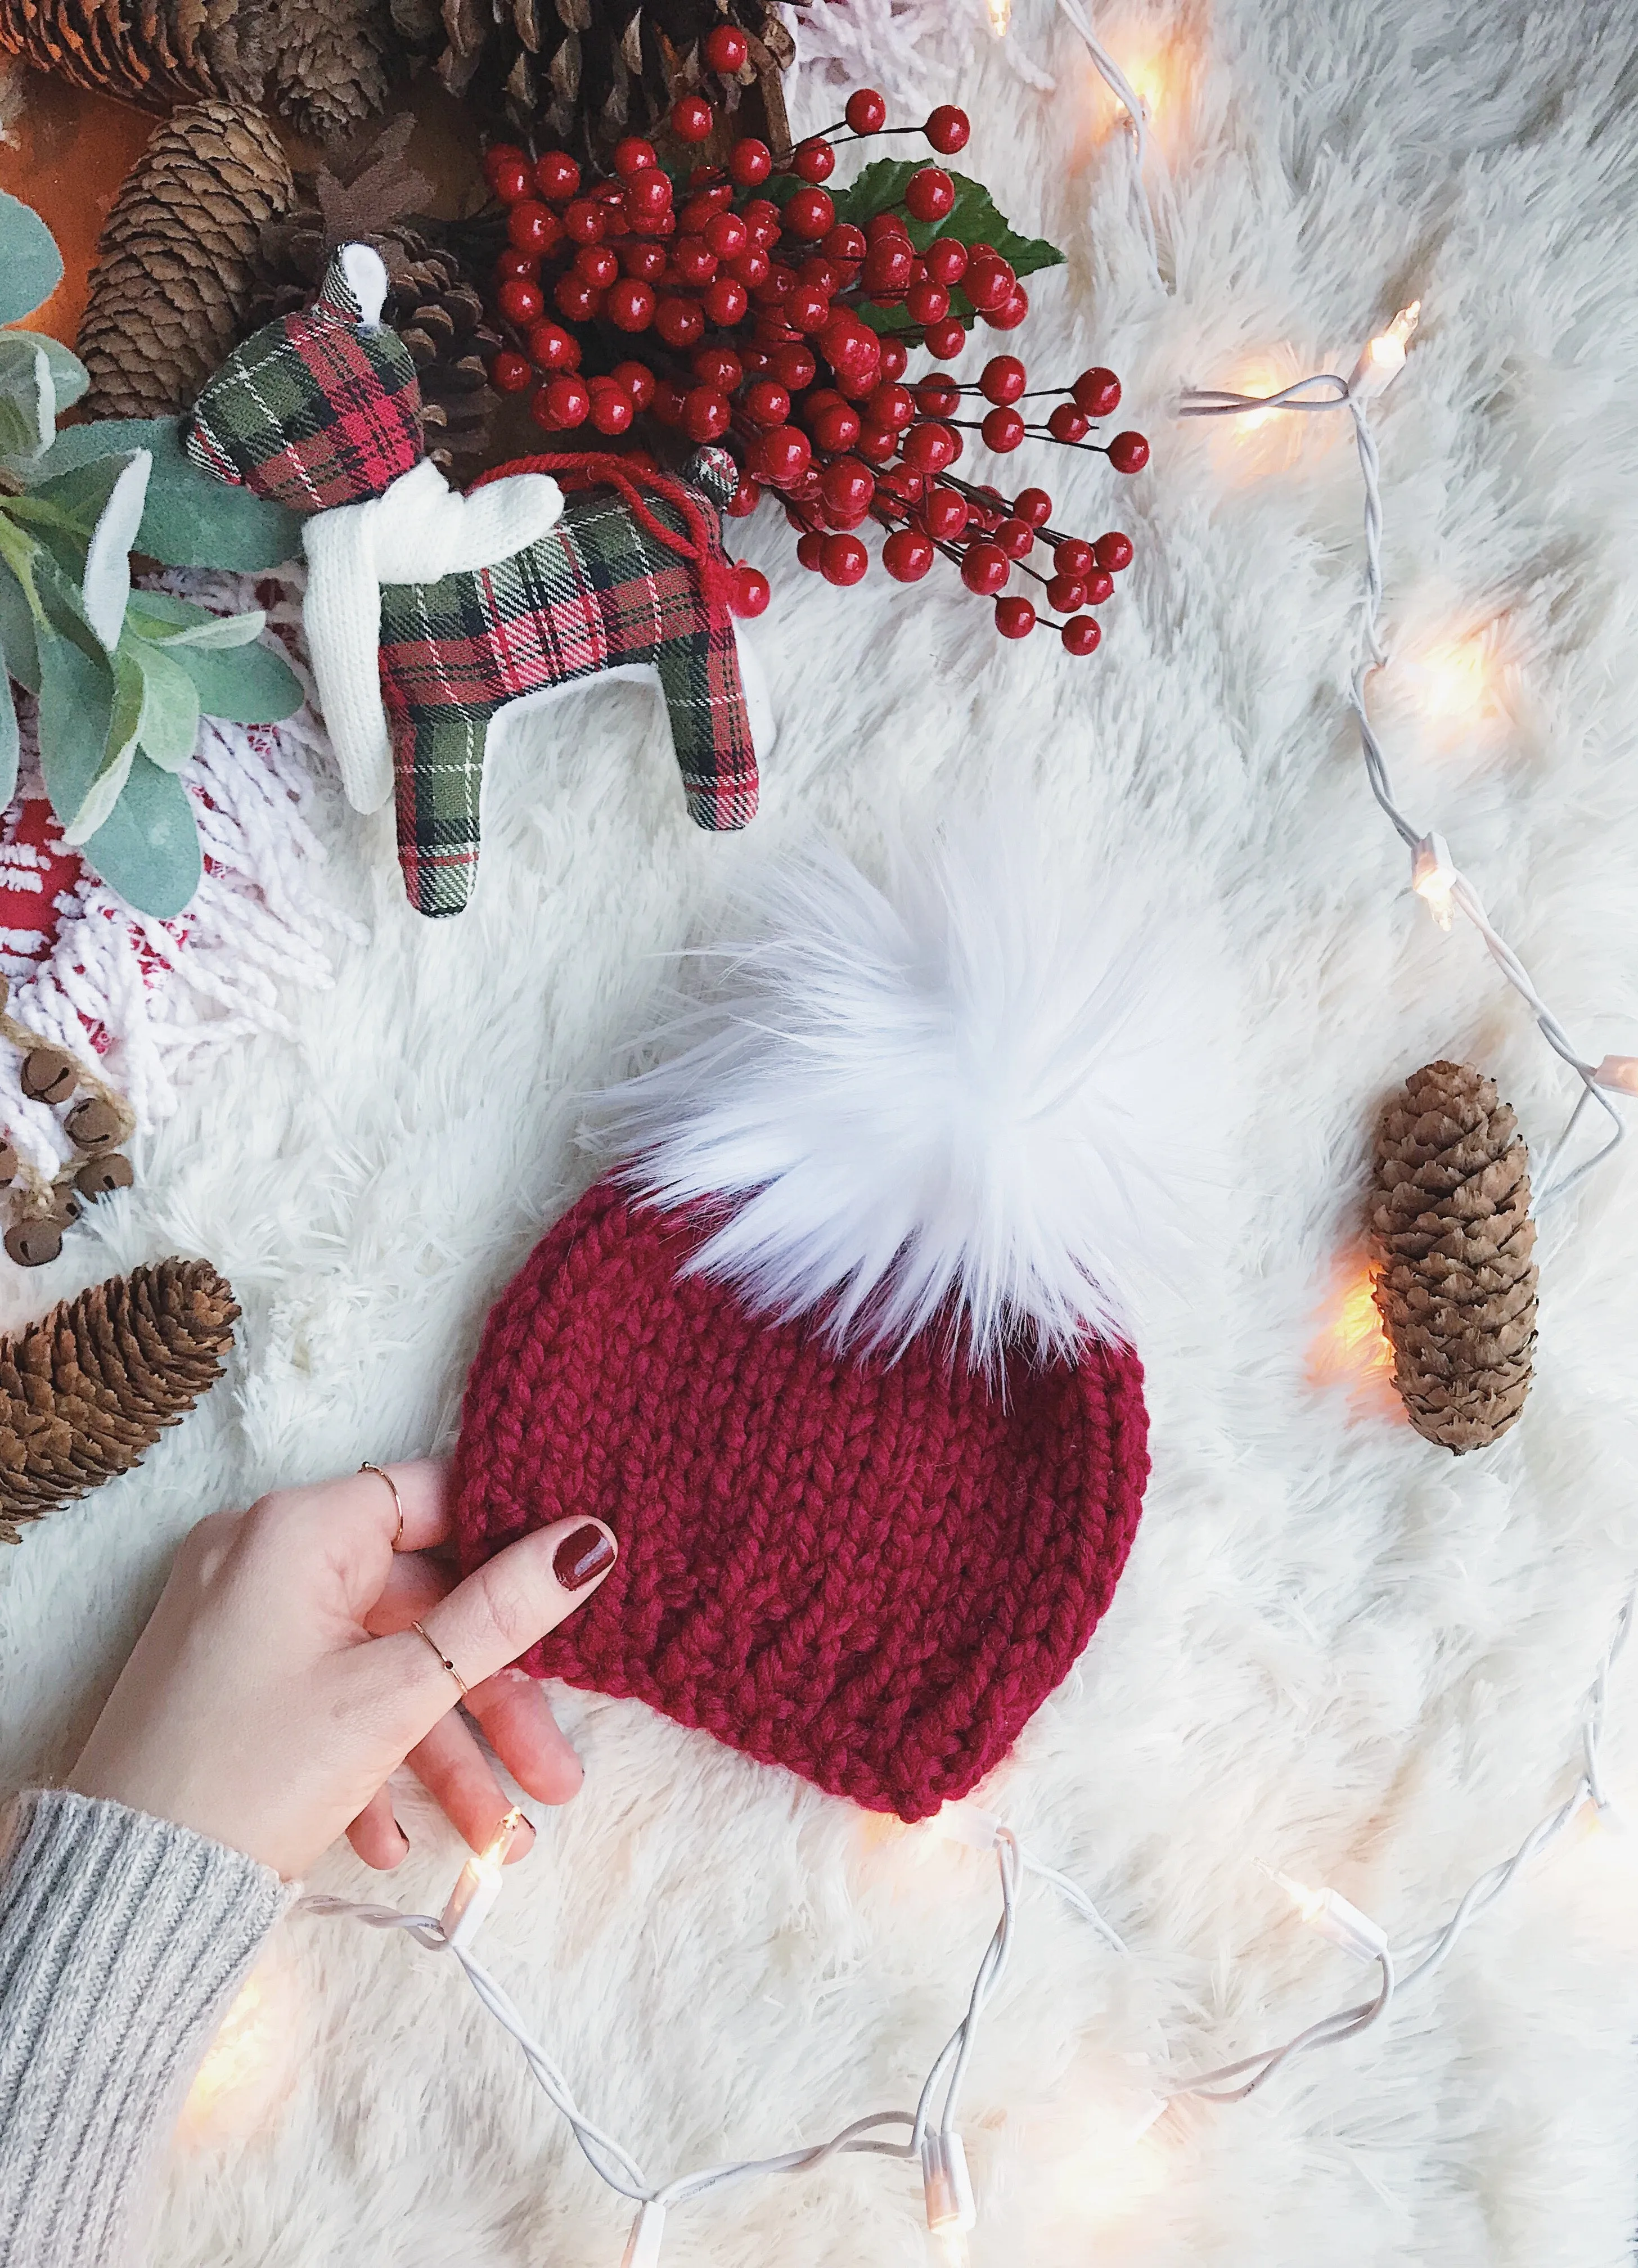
(1231, 2082)
(1459, 891)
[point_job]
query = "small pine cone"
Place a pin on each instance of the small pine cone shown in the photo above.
(1450, 1223)
(584, 72)
(86, 1393)
(331, 61)
(440, 316)
(176, 263)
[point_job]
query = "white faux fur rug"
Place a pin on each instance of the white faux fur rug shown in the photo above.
(1335, 1647)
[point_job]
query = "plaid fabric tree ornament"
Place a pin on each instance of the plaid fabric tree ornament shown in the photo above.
(517, 591)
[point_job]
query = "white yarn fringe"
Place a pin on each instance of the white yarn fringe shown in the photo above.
(157, 1002)
(891, 44)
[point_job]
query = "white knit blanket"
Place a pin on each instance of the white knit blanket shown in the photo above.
(1335, 1648)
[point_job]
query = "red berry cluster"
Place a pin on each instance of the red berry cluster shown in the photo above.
(747, 310)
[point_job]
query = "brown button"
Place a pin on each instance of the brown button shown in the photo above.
(98, 1176)
(581, 1555)
(93, 1123)
(49, 1075)
(8, 1163)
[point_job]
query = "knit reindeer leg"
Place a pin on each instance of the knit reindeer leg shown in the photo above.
(710, 730)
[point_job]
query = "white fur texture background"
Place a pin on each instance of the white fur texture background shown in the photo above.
(1335, 1647)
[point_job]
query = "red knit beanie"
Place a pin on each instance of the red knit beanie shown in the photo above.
(836, 1352)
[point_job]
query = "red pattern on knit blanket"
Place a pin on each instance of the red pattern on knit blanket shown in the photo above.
(871, 1573)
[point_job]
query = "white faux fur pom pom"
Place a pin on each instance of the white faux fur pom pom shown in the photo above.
(977, 1090)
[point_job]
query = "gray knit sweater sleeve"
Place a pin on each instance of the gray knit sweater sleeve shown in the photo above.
(122, 1941)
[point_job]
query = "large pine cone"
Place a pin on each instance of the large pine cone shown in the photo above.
(584, 72)
(87, 1392)
(1451, 1221)
(176, 263)
(323, 63)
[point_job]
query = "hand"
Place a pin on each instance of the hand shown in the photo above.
(278, 1682)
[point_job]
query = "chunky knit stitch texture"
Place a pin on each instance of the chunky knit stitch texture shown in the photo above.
(871, 1572)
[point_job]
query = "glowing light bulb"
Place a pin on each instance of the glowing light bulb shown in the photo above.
(1384, 358)
(479, 1882)
(1433, 878)
(1000, 13)
(1331, 1914)
(1620, 1073)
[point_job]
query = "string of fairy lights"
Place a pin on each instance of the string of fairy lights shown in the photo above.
(929, 2135)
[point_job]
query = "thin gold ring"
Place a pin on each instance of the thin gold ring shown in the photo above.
(398, 1502)
(442, 1656)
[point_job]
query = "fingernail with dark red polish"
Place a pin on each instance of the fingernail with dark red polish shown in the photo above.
(581, 1555)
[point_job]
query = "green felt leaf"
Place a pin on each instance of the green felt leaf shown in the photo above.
(251, 685)
(169, 724)
(31, 266)
(28, 397)
(190, 518)
(19, 656)
(75, 712)
(102, 790)
(148, 848)
(8, 740)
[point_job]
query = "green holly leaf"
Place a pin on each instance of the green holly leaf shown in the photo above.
(147, 849)
(169, 724)
(250, 685)
(190, 518)
(31, 266)
(974, 218)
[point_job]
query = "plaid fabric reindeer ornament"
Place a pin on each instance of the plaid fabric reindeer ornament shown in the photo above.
(428, 612)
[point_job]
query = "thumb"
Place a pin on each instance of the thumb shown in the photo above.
(488, 1621)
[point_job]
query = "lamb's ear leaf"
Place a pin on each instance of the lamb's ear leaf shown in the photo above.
(31, 266)
(248, 684)
(76, 713)
(103, 789)
(19, 657)
(169, 727)
(148, 848)
(28, 397)
(106, 587)
(8, 741)
(190, 518)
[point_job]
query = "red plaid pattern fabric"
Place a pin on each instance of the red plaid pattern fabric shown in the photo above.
(601, 590)
(312, 411)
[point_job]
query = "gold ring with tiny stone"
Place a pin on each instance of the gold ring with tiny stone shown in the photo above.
(442, 1656)
(398, 1502)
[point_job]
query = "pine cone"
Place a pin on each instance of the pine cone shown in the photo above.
(431, 303)
(176, 262)
(1451, 1226)
(86, 1393)
(584, 72)
(323, 63)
